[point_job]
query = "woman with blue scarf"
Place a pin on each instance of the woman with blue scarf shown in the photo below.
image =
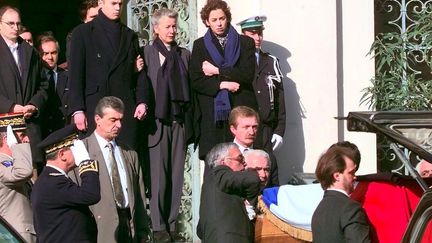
(222, 68)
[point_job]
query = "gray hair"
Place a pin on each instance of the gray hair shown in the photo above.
(256, 152)
(162, 12)
(109, 102)
(218, 153)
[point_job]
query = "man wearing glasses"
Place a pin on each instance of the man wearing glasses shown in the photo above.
(22, 88)
(222, 213)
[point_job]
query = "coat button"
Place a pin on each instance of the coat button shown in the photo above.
(259, 92)
(99, 217)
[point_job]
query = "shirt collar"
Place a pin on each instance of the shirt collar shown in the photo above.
(103, 142)
(58, 169)
(47, 70)
(338, 190)
(242, 148)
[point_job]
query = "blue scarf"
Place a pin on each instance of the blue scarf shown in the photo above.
(222, 106)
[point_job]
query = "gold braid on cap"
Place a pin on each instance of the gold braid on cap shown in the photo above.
(17, 122)
(68, 141)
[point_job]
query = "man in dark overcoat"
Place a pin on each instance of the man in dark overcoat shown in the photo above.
(223, 216)
(102, 63)
(22, 87)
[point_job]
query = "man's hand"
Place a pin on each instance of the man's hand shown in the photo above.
(141, 111)
(139, 64)
(209, 69)
(79, 152)
(277, 141)
(231, 86)
(17, 108)
(29, 110)
(10, 136)
(80, 121)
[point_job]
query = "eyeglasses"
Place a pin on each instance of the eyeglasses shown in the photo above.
(12, 24)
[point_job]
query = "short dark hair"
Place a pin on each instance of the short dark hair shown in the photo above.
(24, 29)
(241, 111)
(109, 102)
(46, 37)
(214, 5)
(85, 6)
(332, 161)
(6, 8)
(355, 152)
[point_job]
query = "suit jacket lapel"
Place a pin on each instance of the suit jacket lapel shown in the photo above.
(101, 44)
(263, 62)
(104, 178)
(125, 42)
(61, 82)
(10, 61)
(25, 53)
(129, 176)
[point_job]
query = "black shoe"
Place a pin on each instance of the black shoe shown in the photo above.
(176, 237)
(161, 237)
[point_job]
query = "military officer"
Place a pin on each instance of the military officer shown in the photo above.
(61, 212)
(15, 173)
(268, 89)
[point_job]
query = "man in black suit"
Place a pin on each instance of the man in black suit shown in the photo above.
(60, 207)
(56, 111)
(223, 216)
(102, 63)
(338, 218)
(22, 87)
(221, 69)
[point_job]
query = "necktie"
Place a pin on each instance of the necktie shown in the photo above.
(115, 178)
(51, 82)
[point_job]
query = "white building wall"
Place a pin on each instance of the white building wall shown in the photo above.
(322, 47)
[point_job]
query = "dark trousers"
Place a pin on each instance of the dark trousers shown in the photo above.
(124, 230)
(167, 160)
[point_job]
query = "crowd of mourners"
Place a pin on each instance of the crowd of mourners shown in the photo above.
(84, 143)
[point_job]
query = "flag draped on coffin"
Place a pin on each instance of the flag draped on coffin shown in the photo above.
(294, 204)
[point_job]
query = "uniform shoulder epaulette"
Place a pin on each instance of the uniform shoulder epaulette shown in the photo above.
(55, 174)
(88, 165)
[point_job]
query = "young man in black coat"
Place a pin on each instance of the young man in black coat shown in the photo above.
(338, 218)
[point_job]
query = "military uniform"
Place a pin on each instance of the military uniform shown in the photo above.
(269, 92)
(15, 173)
(61, 212)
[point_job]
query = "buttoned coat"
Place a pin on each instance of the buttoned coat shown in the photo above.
(338, 218)
(15, 206)
(105, 211)
(223, 216)
(207, 87)
(95, 72)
